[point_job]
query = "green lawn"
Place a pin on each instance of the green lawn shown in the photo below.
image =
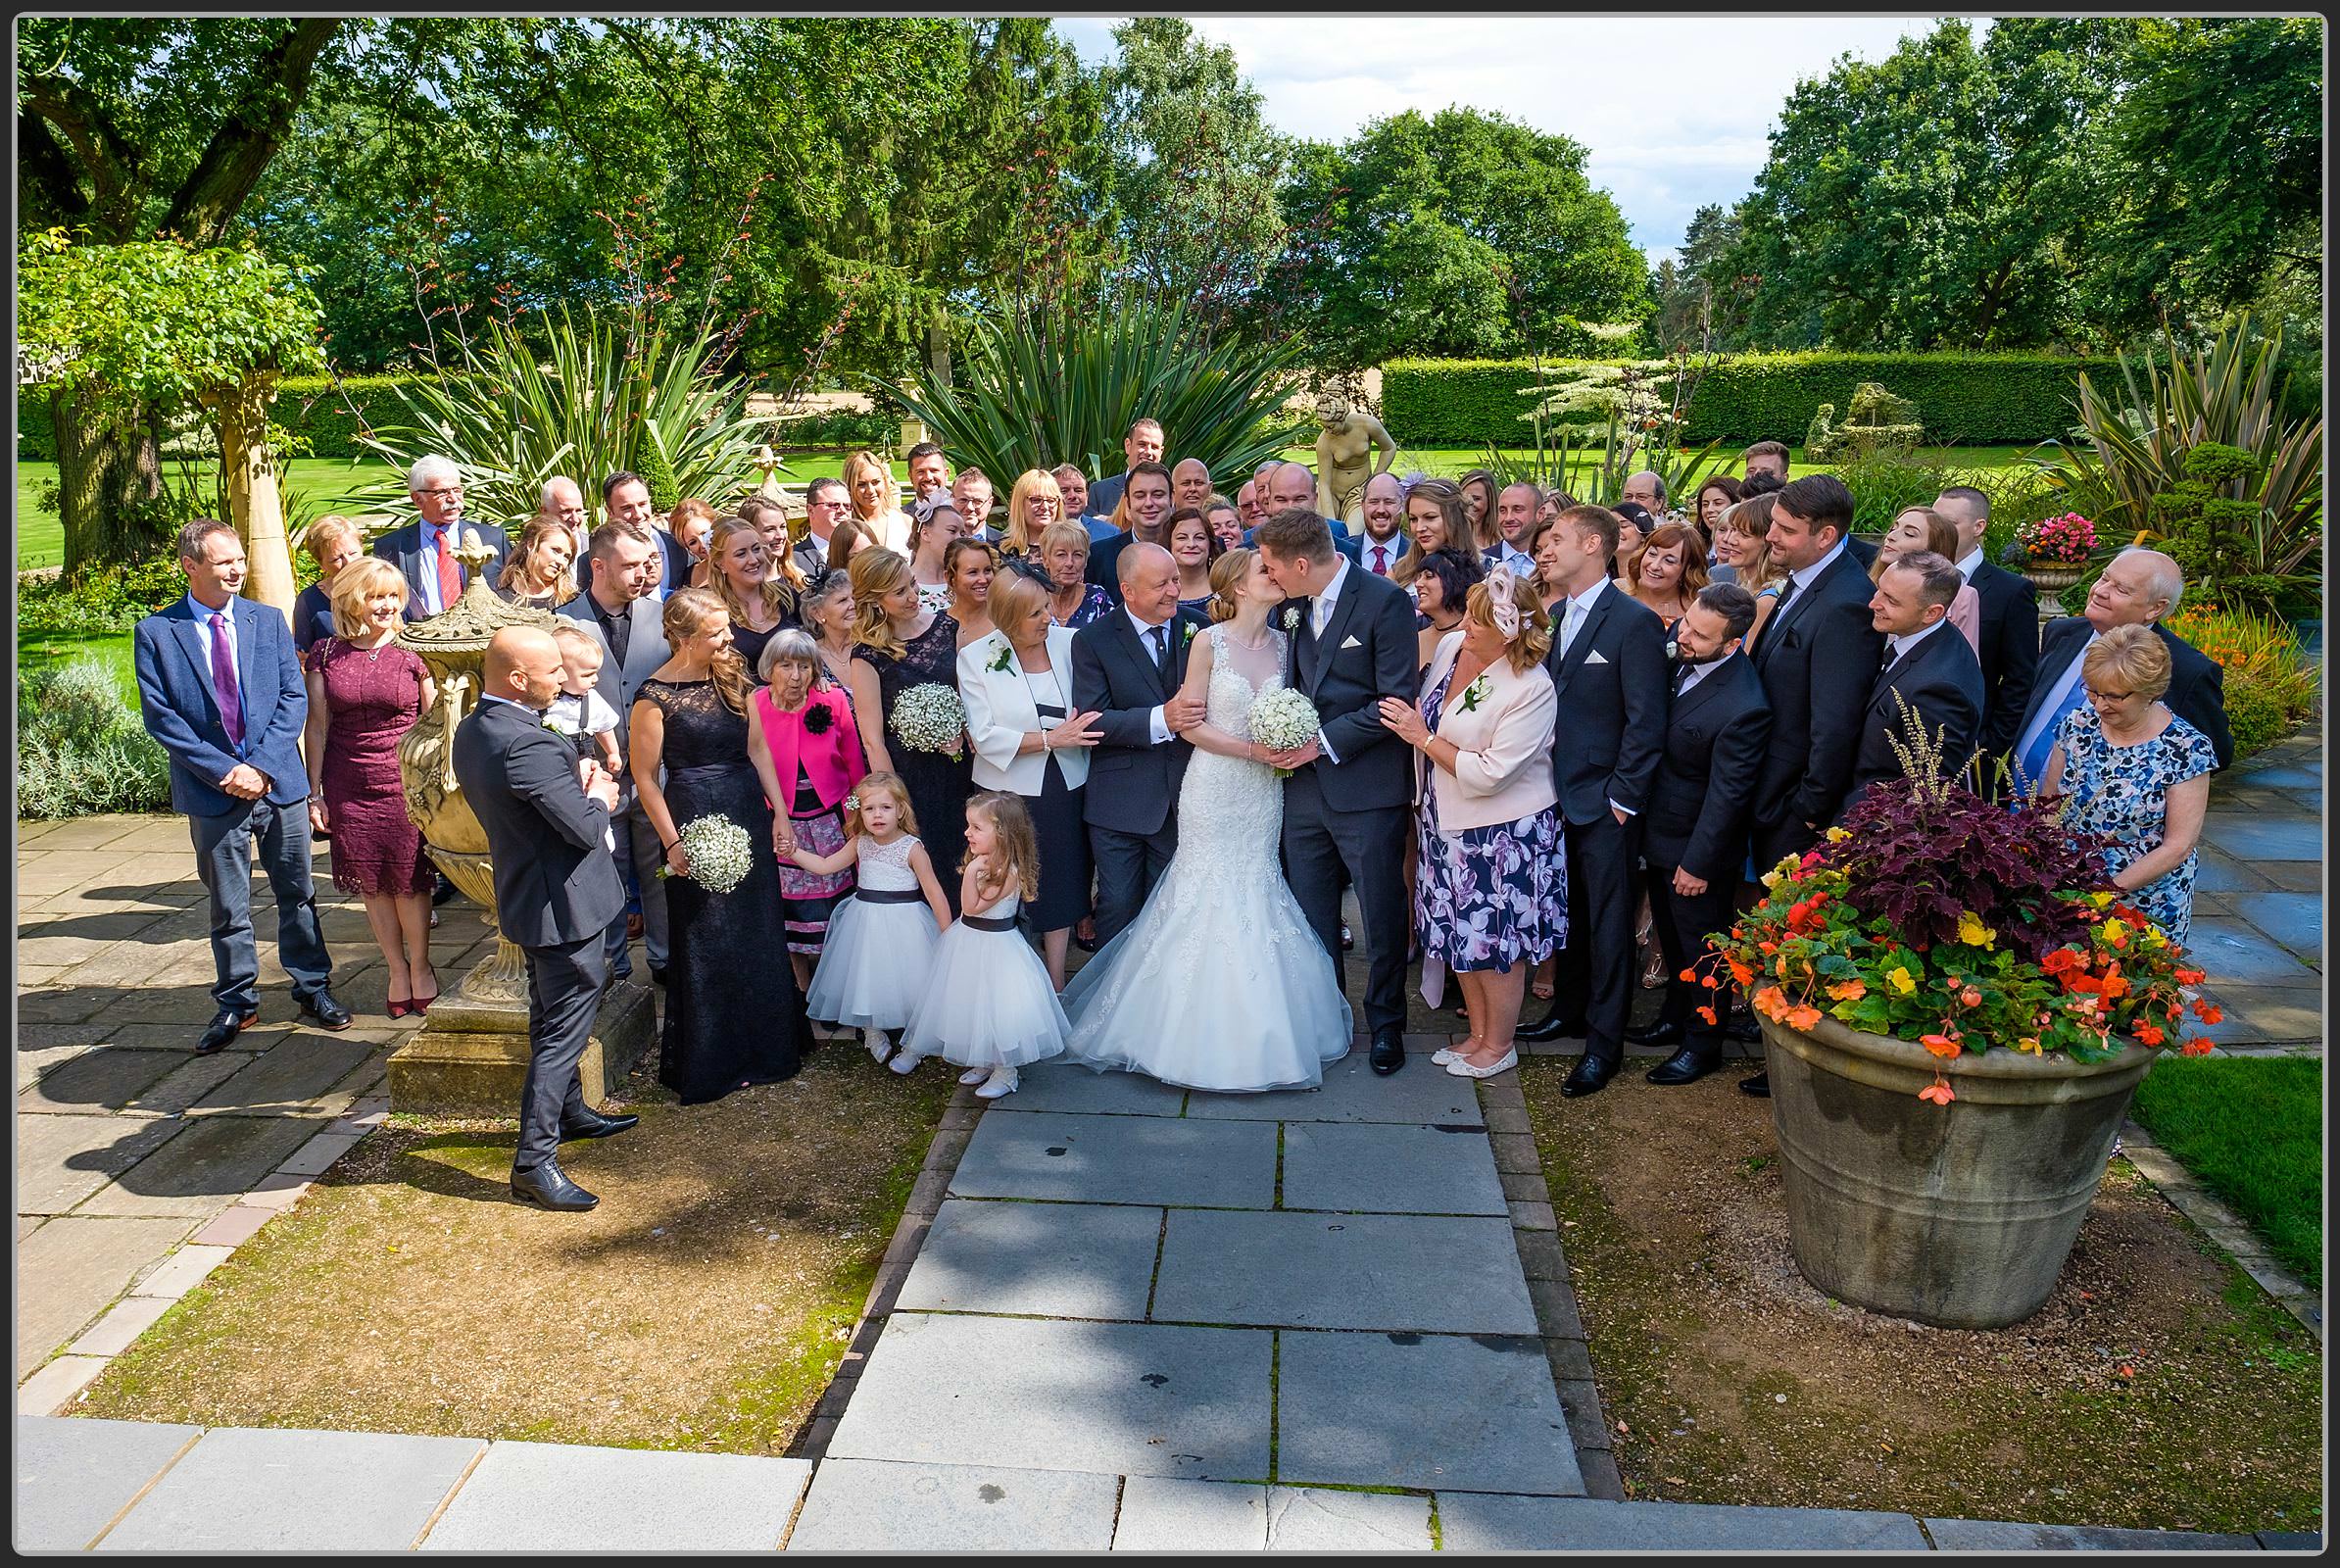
(2251, 1128)
(111, 648)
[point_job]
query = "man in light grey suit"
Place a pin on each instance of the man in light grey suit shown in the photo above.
(616, 610)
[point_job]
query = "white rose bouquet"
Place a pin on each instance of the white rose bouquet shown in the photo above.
(1283, 719)
(930, 717)
(719, 852)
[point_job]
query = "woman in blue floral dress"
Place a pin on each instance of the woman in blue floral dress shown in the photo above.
(1491, 893)
(2137, 772)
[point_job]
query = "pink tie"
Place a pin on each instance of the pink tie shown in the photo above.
(1380, 561)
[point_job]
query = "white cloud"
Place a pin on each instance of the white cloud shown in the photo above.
(1674, 110)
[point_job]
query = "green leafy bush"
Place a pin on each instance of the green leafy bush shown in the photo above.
(1886, 480)
(1963, 398)
(109, 599)
(839, 428)
(82, 751)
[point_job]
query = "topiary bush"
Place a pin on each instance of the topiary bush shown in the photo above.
(82, 751)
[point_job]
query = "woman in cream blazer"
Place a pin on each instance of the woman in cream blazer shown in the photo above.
(1016, 681)
(1490, 897)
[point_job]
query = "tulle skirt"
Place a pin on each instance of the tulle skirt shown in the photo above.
(874, 964)
(988, 1003)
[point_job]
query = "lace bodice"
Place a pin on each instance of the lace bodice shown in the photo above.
(701, 730)
(1238, 676)
(884, 867)
(1234, 805)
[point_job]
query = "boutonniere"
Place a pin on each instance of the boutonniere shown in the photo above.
(1291, 620)
(1005, 657)
(1185, 634)
(1474, 693)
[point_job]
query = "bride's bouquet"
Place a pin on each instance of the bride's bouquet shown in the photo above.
(1284, 718)
(930, 717)
(720, 852)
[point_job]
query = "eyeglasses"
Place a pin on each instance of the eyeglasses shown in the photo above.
(2102, 696)
(443, 491)
(837, 505)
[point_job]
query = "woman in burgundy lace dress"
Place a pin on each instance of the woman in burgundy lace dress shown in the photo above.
(365, 693)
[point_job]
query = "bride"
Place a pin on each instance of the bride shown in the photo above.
(1219, 983)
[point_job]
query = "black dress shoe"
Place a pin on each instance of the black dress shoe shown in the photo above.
(1388, 1051)
(1760, 1086)
(1687, 1065)
(658, 974)
(1085, 944)
(1553, 1027)
(596, 1125)
(1660, 1033)
(328, 1013)
(443, 892)
(545, 1187)
(224, 1030)
(1590, 1076)
(1747, 1031)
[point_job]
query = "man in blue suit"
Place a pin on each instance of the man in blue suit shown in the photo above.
(423, 549)
(221, 693)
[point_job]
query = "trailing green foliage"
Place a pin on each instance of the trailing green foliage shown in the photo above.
(1976, 399)
(598, 398)
(1065, 386)
(80, 749)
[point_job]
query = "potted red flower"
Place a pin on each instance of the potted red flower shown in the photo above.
(2053, 553)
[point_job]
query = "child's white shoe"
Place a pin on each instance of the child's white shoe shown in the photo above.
(974, 1075)
(880, 1047)
(1000, 1083)
(905, 1062)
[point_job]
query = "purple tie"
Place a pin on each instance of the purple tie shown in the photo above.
(232, 704)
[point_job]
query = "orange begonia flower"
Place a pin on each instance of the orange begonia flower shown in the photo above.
(1802, 1017)
(2196, 1047)
(2191, 978)
(2148, 1035)
(1741, 973)
(1939, 1092)
(1942, 1044)
(1708, 1013)
(1849, 989)
(2208, 1013)
(1772, 1002)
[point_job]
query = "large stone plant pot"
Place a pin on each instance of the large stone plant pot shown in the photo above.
(1958, 1216)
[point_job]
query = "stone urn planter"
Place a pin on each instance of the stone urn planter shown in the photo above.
(1960, 1215)
(2050, 578)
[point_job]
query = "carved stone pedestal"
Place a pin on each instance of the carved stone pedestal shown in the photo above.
(472, 1056)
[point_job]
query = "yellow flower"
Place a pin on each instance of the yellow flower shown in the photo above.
(1972, 932)
(2029, 1044)
(2115, 934)
(2103, 901)
(1838, 835)
(1770, 879)
(1903, 981)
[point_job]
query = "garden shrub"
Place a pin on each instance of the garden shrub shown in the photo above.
(2269, 686)
(82, 749)
(876, 431)
(110, 598)
(2254, 715)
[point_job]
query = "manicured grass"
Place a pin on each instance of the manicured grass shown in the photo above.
(312, 484)
(111, 648)
(2251, 1128)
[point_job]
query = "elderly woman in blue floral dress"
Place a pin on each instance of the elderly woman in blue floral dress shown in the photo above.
(1491, 893)
(2137, 772)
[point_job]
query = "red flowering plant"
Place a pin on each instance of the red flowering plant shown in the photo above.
(2065, 540)
(1934, 916)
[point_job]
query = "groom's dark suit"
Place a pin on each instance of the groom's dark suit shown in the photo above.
(1347, 808)
(556, 890)
(1132, 800)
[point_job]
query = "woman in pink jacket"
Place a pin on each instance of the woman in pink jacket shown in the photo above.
(805, 746)
(1490, 897)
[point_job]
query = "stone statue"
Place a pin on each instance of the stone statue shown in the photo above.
(1345, 451)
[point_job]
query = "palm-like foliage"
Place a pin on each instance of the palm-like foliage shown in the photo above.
(600, 398)
(1064, 384)
(2131, 444)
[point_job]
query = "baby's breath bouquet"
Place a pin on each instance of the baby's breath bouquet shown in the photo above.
(1284, 718)
(720, 850)
(930, 717)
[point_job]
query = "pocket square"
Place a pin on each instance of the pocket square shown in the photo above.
(1351, 642)
(1595, 657)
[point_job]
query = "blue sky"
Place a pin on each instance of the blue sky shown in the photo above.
(1675, 109)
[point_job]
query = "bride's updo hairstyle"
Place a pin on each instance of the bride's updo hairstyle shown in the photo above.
(1506, 604)
(1226, 573)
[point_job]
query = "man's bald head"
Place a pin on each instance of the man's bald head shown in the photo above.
(523, 664)
(1289, 485)
(1148, 579)
(1648, 491)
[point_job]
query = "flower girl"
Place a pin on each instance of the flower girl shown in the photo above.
(988, 1005)
(880, 944)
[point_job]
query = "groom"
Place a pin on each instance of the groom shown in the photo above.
(1351, 641)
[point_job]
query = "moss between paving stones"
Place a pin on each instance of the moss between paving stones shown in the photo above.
(704, 1305)
(2158, 1388)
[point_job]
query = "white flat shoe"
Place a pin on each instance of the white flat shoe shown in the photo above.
(880, 1047)
(1443, 1055)
(1503, 1064)
(905, 1062)
(996, 1087)
(975, 1075)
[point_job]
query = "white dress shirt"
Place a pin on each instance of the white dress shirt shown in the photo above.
(1157, 727)
(202, 614)
(1896, 645)
(1393, 550)
(1575, 611)
(1320, 612)
(1692, 674)
(1968, 561)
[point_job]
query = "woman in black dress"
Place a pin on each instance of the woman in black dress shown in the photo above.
(898, 646)
(739, 565)
(734, 1016)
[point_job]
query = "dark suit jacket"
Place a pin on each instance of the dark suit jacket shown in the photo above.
(1104, 562)
(176, 701)
(1612, 708)
(1864, 549)
(644, 651)
(1703, 792)
(1816, 657)
(1942, 681)
(2009, 650)
(555, 881)
(402, 549)
(2197, 690)
(1370, 649)
(1133, 783)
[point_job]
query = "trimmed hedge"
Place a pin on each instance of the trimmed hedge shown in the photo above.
(1970, 399)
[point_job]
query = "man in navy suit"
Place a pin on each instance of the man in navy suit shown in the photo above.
(2009, 642)
(424, 550)
(1928, 668)
(221, 693)
(1608, 663)
(1145, 443)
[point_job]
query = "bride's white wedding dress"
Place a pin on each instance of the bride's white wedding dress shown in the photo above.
(1219, 983)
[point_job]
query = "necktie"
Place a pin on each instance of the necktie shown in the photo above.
(2031, 767)
(451, 578)
(232, 702)
(1158, 644)
(1568, 627)
(1786, 592)
(1380, 561)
